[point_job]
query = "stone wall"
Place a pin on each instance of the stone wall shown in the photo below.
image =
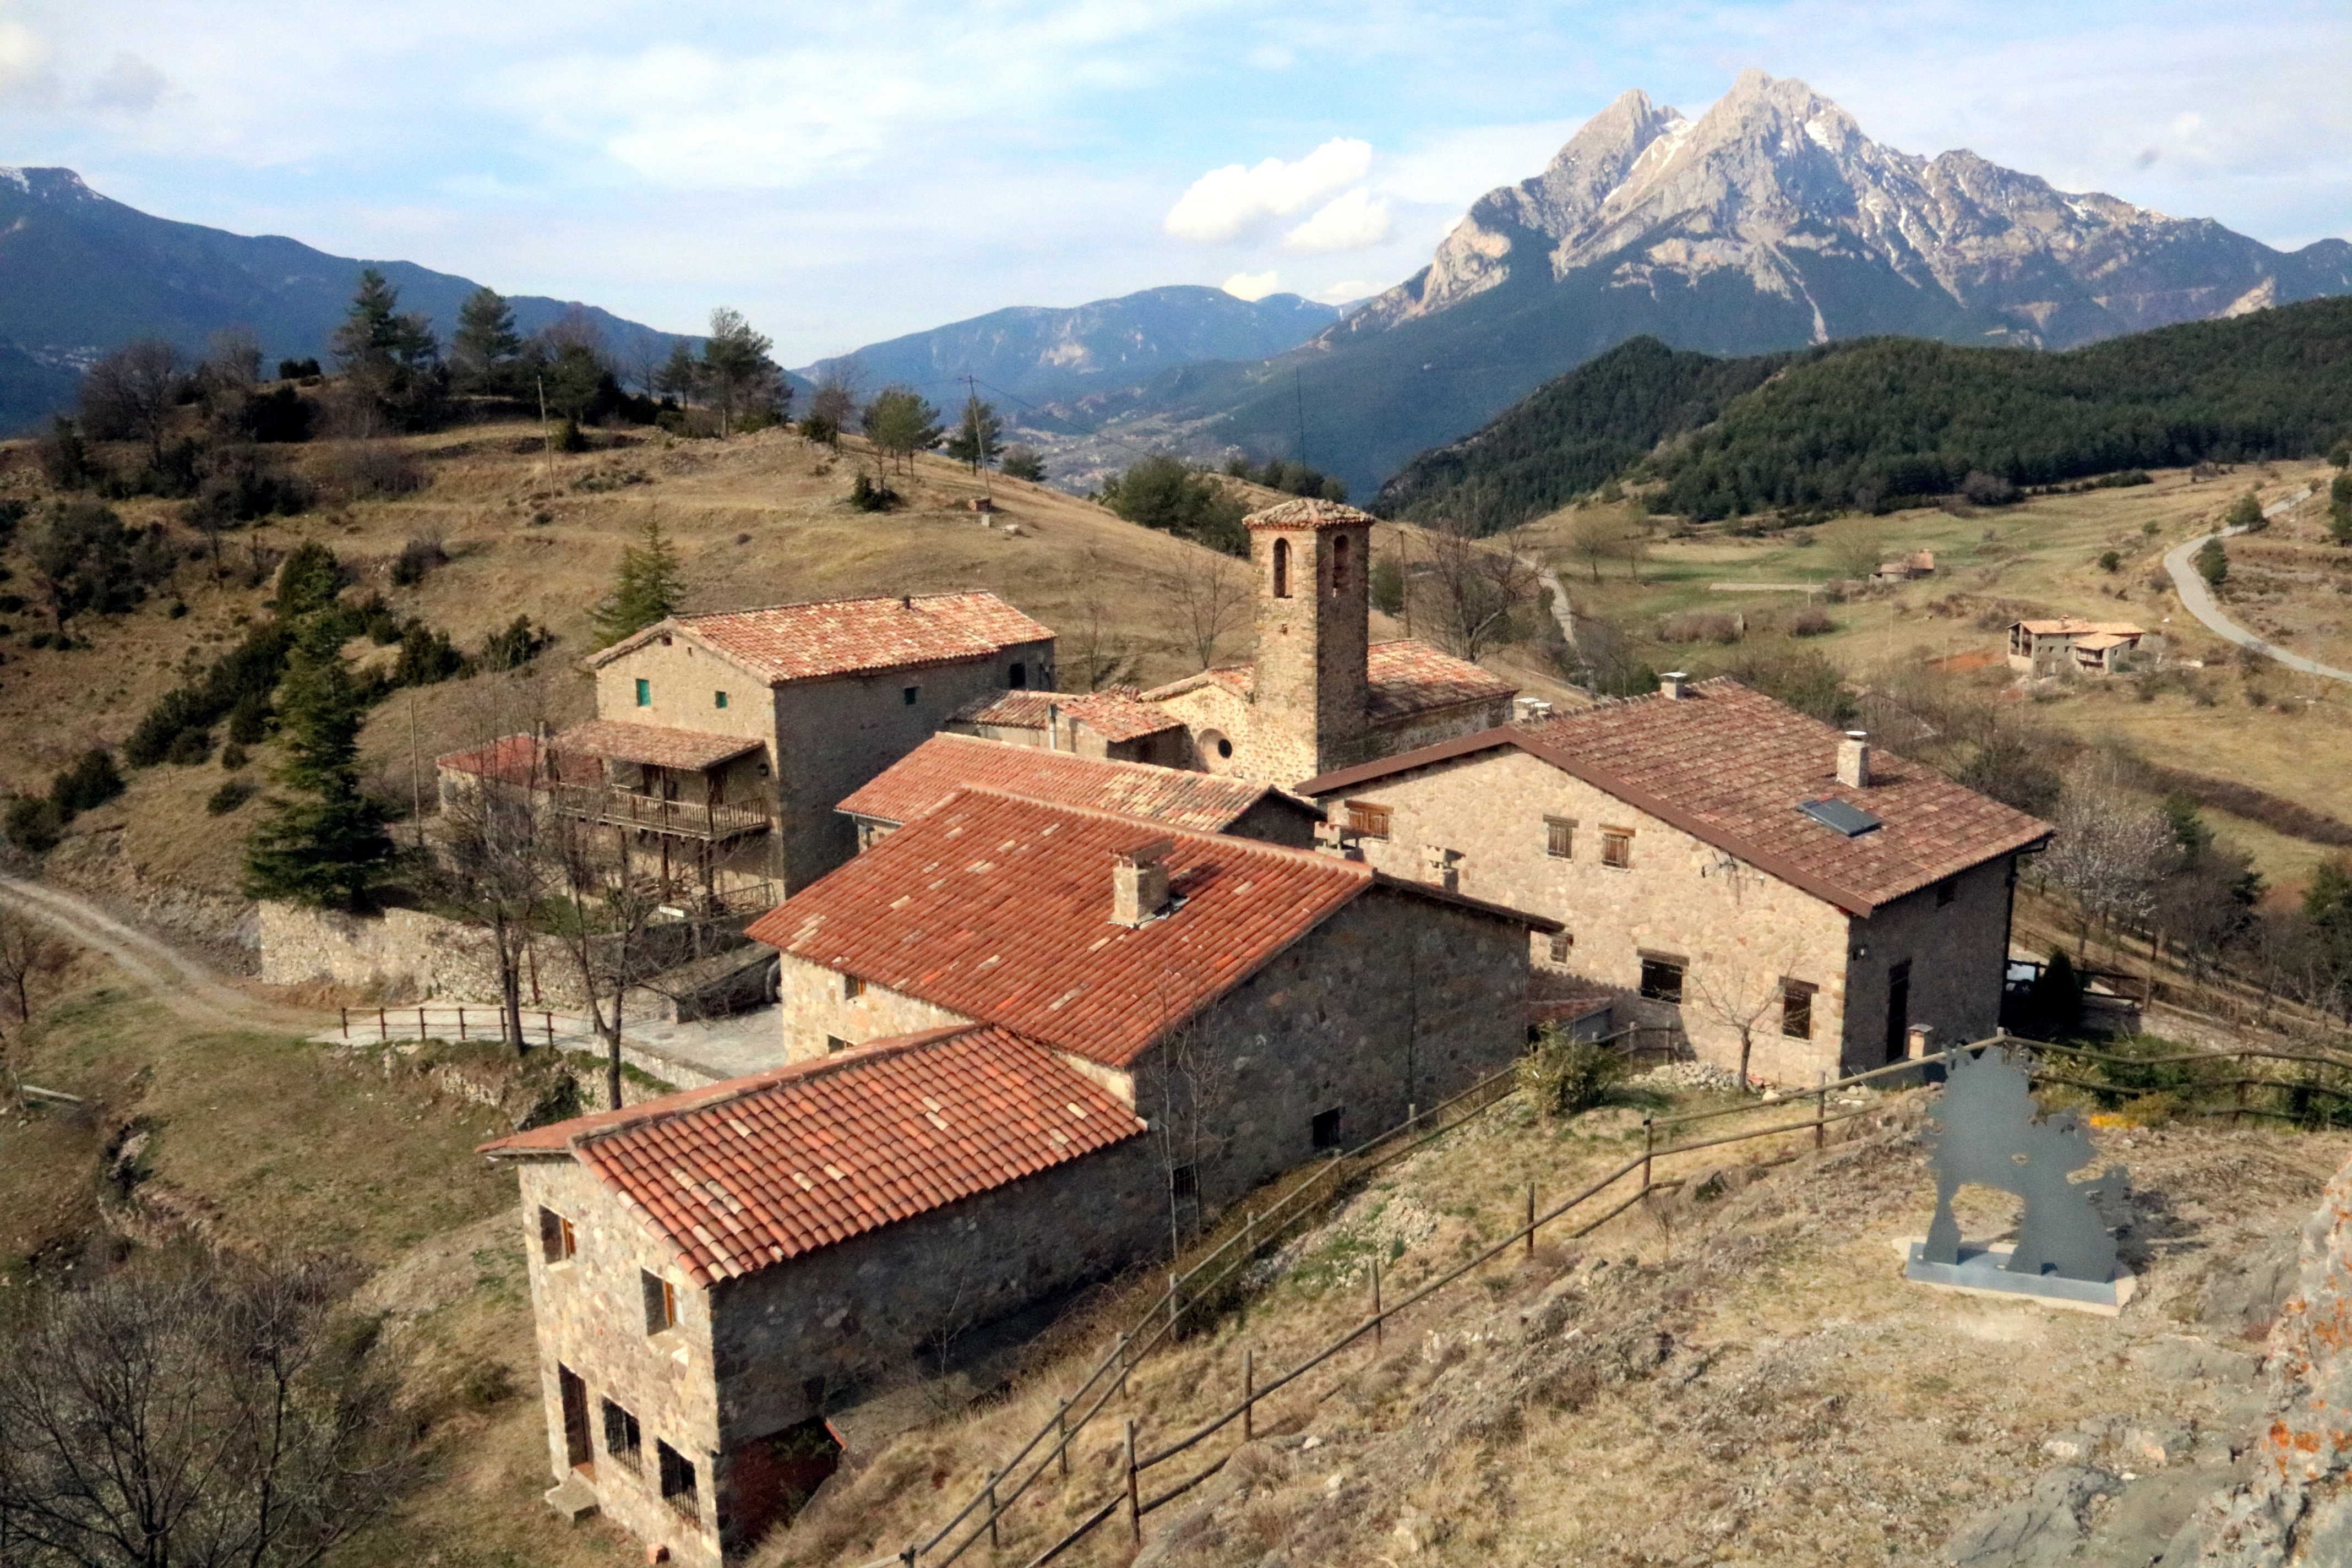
(1738, 932)
(814, 1005)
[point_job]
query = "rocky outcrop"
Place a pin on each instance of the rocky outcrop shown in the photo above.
(2297, 1508)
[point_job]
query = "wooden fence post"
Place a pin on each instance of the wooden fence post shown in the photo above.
(1122, 1366)
(1378, 1319)
(549, 1018)
(1649, 1146)
(1134, 1513)
(347, 1023)
(991, 1511)
(1821, 1115)
(461, 1023)
(383, 1026)
(1531, 1219)
(1171, 1303)
(1061, 1432)
(1249, 1395)
(420, 1022)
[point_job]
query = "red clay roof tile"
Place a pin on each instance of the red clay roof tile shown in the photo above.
(750, 1172)
(931, 774)
(655, 743)
(843, 636)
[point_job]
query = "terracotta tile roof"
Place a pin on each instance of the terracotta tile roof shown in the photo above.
(1236, 678)
(2068, 626)
(999, 909)
(652, 743)
(2100, 640)
(1117, 718)
(1306, 513)
(1730, 766)
(757, 1170)
(511, 759)
(1007, 709)
(929, 777)
(842, 637)
(1409, 676)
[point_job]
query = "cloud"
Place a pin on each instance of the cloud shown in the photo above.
(1253, 284)
(1350, 292)
(25, 73)
(1455, 168)
(1234, 201)
(130, 84)
(1356, 220)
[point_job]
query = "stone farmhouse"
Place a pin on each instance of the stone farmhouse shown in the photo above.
(1322, 694)
(1726, 863)
(2067, 646)
(935, 772)
(1025, 1043)
(722, 741)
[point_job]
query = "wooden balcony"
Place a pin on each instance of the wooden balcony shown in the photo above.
(706, 821)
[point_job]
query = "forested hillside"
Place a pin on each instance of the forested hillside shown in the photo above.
(1873, 423)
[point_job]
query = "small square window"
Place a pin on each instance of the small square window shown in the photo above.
(678, 1482)
(623, 1438)
(1662, 979)
(1563, 944)
(1184, 1182)
(909, 695)
(1367, 820)
(1796, 1010)
(719, 700)
(644, 692)
(1617, 848)
(1559, 837)
(1947, 891)
(1325, 1128)
(1017, 678)
(851, 988)
(661, 1302)
(556, 1242)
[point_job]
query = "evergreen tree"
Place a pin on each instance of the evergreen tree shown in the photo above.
(2212, 562)
(1025, 463)
(486, 342)
(328, 845)
(736, 368)
(2245, 512)
(376, 339)
(681, 376)
(647, 590)
(900, 424)
(978, 435)
(2339, 509)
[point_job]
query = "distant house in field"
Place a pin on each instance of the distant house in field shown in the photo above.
(1904, 568)
(931, 775)
(2058, 647)
(722, 741)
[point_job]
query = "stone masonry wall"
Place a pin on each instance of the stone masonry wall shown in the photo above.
(812, 1007)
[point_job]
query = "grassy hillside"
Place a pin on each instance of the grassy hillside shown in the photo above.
(1866, 424)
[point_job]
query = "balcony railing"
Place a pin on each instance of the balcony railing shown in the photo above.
(679, 818)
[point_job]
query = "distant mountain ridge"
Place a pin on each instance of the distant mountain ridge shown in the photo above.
(1770, 223)
(82, 274)
(1036, 352)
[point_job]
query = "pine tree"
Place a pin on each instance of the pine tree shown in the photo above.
(1025, 463)
(900, 424)
(681, 376)
(737, 369)
(376, 338)
(327, 845)
(647, 590)
(486, 341)
(978, 435)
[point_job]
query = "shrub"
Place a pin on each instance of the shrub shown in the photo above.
(233, 756)
(1162, 493)
(1024, 463)
(190, 747)
(1988, 490)
(378, 468)
(89, 782)
(427, 657)
(2110, 561)
(1562, 1078)
(2125, 480)
(2245, 512)
(1699, 626)
(869, 495)
(309, 579)
(571, 439)
(248, 720)
(516, 645)
(297, 369)
(2213, 563)
(1811, 622)
(230, 795)
(34, 824)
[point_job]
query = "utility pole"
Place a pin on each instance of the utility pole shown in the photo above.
(415, 781)
(546, 439)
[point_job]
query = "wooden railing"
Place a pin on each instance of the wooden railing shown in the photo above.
(680, 819)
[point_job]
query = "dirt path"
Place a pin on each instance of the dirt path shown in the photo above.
(1561, 610)
(189, 989)
(2197, 598)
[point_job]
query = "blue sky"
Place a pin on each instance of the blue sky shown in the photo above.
(845, 173)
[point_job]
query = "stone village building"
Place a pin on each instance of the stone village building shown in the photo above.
(1024, 1042)
(722, 741)
(1719, 859)
(2067, 646)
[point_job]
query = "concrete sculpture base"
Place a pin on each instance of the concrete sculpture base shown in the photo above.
(1982, 1271)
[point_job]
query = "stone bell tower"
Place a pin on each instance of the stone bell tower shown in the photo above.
(1313, 559)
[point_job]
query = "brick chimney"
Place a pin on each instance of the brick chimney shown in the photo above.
(1673, 686)
(1853, 760)
(1443, 868)
(1138, 883)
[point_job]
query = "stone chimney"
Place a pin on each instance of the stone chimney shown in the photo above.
(1673, 686)
(1338, 840)
(1853, 760)
(1443, 868)
(1138, 883)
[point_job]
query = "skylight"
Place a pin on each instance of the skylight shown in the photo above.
(1839, 816)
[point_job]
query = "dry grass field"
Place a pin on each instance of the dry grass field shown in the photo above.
(2249, 721)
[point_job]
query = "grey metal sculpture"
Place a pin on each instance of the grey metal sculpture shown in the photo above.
(1990, 1131)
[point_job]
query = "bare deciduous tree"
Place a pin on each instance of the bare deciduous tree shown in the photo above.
(197, 1410)
(1095, 656)
(1738, 988)
(132, 392)
(601, 918)
(1212, 599)
(2107, 860)
(1476, 594)
(1601, 535)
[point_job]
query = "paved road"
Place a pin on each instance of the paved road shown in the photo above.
(187, 987)
(2197, 598)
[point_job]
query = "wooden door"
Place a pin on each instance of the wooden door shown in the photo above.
(577, 1453)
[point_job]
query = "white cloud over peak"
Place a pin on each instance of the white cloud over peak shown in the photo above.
(1253, 284)
(1238, 201)
(1350, 292)
(1356, 220)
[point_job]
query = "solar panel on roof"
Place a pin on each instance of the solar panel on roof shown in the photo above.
(1839, 816)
